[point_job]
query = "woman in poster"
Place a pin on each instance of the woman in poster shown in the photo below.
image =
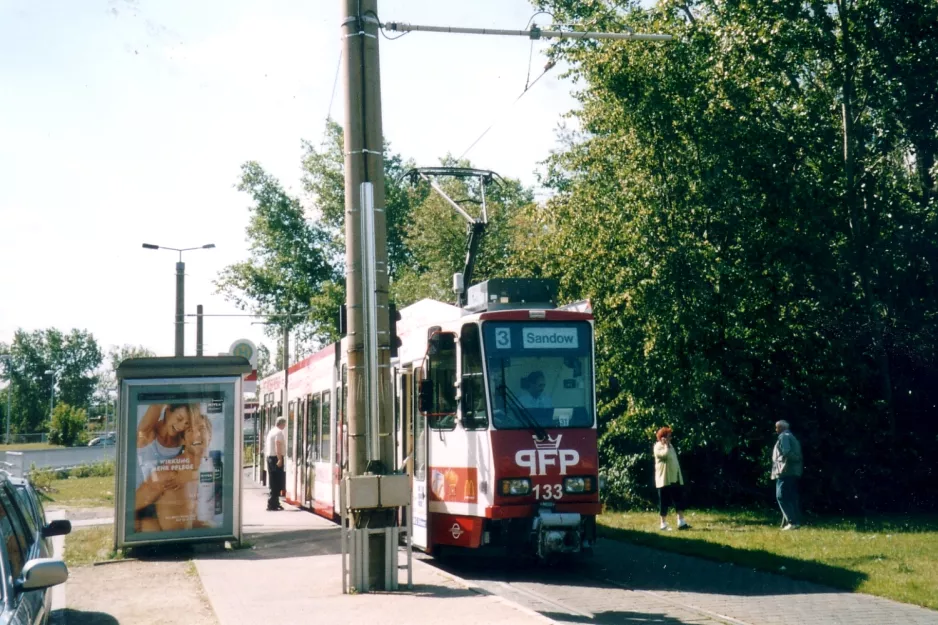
(177, 508)
(160, 434)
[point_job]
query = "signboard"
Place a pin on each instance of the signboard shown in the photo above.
(179, 453)
(549, 337)
(247, 350)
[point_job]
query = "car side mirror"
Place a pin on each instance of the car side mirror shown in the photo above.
(59, 527)
(42, 573)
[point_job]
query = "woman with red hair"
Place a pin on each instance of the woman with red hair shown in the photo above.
(668, 479)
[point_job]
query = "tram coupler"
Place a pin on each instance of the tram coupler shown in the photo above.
(557, 532)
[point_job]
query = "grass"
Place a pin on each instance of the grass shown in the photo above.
(888, 556)
(27, 446)
(89, 545)
(83, 492)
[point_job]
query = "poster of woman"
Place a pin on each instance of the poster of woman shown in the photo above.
(179, 472)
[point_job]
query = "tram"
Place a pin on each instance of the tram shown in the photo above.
(495, 421)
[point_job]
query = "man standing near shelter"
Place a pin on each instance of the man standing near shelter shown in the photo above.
(275, 447)
(787, 465)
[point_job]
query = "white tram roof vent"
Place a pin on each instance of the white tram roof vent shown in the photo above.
(512, 294)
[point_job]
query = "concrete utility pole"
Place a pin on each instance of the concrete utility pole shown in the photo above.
(286, 374)
(198, 330)
(370, 417)
(180, 307)
(7, 358)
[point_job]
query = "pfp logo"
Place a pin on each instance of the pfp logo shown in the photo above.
(547, 454)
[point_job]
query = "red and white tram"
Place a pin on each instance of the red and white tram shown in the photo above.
(495, 422)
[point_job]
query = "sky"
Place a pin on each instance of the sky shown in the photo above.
(125, 122)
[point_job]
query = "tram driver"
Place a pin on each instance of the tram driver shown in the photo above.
(532, 393)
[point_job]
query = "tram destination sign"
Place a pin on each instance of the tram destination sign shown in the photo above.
(550, 338)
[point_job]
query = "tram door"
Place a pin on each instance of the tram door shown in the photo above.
(302, 460)
(291, 448)
(420, 473)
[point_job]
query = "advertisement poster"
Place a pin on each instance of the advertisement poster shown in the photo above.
(180, 460)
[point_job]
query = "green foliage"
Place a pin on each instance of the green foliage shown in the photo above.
(67, 427)
(289, 260)
(75, 356)
(41, 478)
(750, 210)
(44, 479)
(104, 468)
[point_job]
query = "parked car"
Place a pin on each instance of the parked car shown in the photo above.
(31, 502)
(109, 439)
(29, 571)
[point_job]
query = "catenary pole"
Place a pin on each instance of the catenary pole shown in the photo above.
(180, 306)
(368, 345)
(368, 353)
(198, 331)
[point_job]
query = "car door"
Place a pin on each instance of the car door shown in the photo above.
(29, 607)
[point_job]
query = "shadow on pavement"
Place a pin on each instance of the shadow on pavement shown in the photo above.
(262, 546)
(624, 564)
(615, 617)
(78, 617)
(706, 557)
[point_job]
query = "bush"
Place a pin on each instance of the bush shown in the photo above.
(42, 479)
(68, 425)
(105, 468)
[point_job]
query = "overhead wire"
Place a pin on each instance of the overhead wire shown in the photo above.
(335, 83)
(527, 85)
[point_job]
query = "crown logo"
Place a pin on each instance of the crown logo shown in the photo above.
(549, 443)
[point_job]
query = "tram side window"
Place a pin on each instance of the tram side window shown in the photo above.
(442, 375)
(291, 425)
(474, 416)
(314, 409)
(325, 456)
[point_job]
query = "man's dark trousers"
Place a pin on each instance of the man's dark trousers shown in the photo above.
(276, 479)
(786, 492)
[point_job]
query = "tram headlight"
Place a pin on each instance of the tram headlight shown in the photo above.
(515, 486)
(576, 485)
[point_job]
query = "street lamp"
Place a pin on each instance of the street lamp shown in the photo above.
(55, 380)
(9, 360)
(180, 288)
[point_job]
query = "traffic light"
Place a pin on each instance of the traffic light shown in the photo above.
(393, 317)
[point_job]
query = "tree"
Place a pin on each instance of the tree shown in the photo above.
(67, 426)
(289, 259)
(749, 210)
(107, 375)
(74, 356)
(264, 366)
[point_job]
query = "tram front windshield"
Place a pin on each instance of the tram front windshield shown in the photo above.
(540, 373)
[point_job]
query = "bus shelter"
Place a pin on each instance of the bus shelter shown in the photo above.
(179, 450)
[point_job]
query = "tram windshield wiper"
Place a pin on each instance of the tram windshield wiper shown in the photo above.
(523, 412)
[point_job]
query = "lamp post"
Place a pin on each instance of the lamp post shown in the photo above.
(9, 360)
(55, 380)
(180, 288)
